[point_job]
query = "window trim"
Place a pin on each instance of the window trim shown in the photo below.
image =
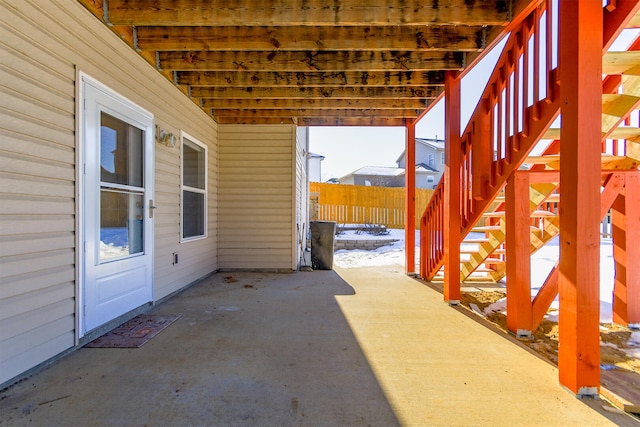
(191, 140)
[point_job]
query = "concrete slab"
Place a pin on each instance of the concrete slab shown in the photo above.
(355, 347)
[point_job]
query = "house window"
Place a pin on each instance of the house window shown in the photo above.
(194, 189)
(442, 161)
(432, 160)
(430, 179)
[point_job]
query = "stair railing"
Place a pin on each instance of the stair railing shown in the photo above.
(517, 106)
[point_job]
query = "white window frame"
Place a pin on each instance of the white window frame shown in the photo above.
(191, 140)
(432, 160)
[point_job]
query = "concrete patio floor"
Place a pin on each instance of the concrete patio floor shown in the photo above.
(351, 347)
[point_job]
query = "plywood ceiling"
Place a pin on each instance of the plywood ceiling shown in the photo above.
(309, 62)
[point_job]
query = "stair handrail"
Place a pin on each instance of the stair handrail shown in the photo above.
(504, 127)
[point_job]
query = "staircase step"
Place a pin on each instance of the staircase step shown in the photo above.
(618, 104)
(627, 62)
(484, 270)
(483, 278)
(552, 158)
(475, 241)
(543, 214)
(625, 132)
(534, 214)
(552, 133)
(464, 251)
(494, 214)
(494, 261)
(485, 228)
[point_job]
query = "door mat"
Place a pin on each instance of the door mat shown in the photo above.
(135, 332)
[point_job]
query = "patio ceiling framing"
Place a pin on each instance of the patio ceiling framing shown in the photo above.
(308, 62)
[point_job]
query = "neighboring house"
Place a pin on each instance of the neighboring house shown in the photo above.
(375, 176)
(315, 167)
(381, 176)
(118, 190)
(426, 176)
(430, 156)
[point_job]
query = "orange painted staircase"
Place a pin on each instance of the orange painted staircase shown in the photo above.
(514, 113)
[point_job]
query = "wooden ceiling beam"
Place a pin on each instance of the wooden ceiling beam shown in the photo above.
(310, 61)
(331, 104)
(397, 38)
(314, 121)
(311, 78)
(256, 120)
(351, 121)
(307, 12)
(331, 92)
(302, 112)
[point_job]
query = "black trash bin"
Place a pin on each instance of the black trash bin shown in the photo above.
(322, 240)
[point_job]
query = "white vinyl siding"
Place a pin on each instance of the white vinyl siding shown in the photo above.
(302, 190)
(256, 196)
(44, 46)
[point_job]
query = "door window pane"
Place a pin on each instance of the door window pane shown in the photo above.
(121, 224)
(120, 152)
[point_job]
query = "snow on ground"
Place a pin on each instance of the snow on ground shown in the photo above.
(385, 255)
(541, 264)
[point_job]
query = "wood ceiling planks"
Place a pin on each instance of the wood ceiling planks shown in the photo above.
(320, 62)
(297, 38)
(307, 12)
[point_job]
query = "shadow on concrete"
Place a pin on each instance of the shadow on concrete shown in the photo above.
(249, 349)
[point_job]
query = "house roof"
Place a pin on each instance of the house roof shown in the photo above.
(437, 144)
(426, 167)
(376, 171)
(316, 156)
(309, 62)
(388, 171)
(379, 170)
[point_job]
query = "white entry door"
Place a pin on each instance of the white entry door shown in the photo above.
(117, 206)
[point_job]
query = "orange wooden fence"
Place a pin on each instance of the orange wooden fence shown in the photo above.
(356, 204)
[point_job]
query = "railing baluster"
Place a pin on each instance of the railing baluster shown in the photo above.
(508, 124)
(498, 135)
(516, 97)
(549, 48)
(536, 60)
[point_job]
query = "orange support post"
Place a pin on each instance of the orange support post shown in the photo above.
(410, 201)
(612, 186)
(580, 65)
(518, 218)
(452, 152)
(625, 218)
